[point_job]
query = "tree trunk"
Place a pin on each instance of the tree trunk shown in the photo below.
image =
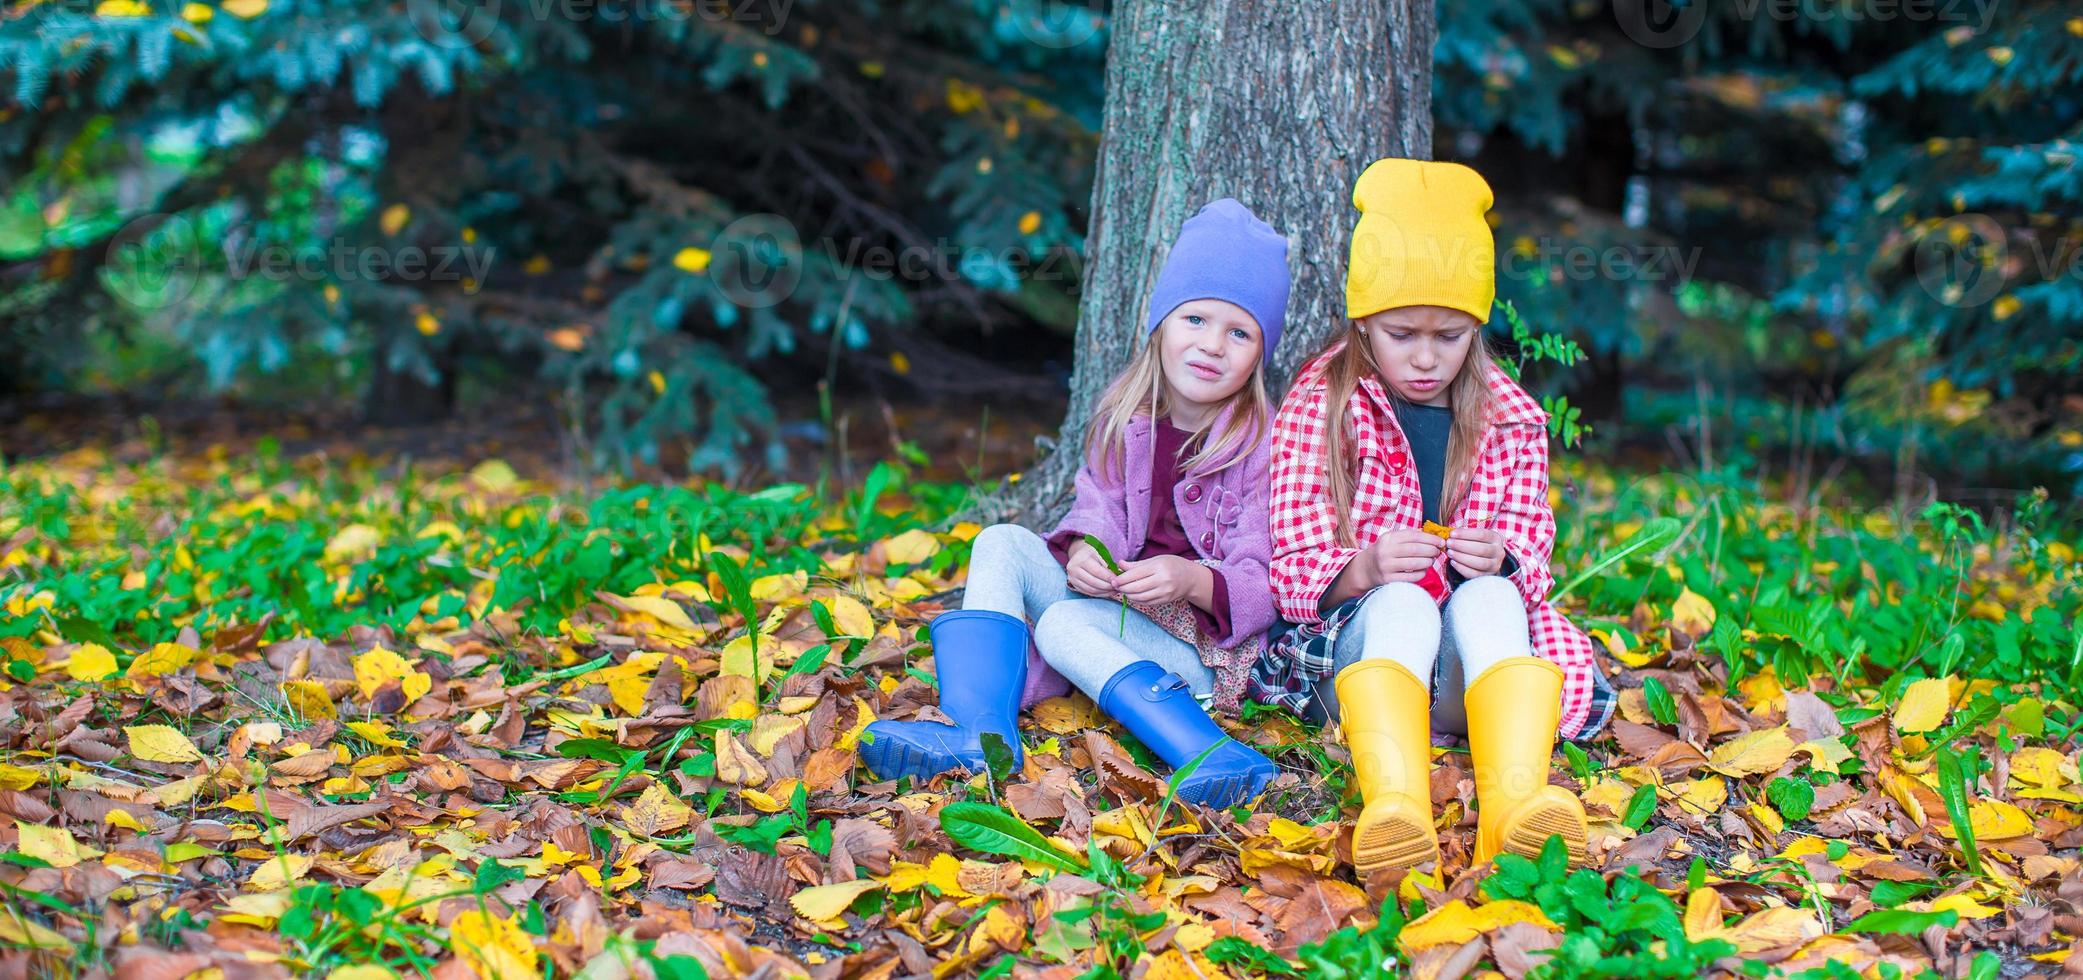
(1280, 105)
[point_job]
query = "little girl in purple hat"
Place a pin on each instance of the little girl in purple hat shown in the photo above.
(1174, 484)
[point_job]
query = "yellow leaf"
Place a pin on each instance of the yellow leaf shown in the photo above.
(851, 617)
(1770, 928)
(736, 766)
(737, 659)
(1692, 614)
(18, 777)
(1752, 753)
(381, 666)
(377, 733)
(494, 475)
(122, 8)
(394, 217)
(656, 812)
(159, 743)
(1700, 795)
(2001, 54)
(427, 323)
(824, 903)
(1638, 656)
(2042, 767)
(659, 608)
(51, 844)
(2004, 307)
(280, 871)
(361, 971)
(1455, 923)
(694, 261)
(352, 542)
(1967, 907)
(495, 946)
(21, 933)
(309, 700)
(1923, 706)
(1030, 222)
(1992, 820)
(163, 658)
(1702, 914)
(91, 662)
(769, 730)
(911, 547)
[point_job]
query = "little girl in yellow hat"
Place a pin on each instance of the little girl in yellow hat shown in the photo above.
(1412, 537)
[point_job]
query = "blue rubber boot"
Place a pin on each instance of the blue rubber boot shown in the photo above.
(981, 657)
(1157, 708)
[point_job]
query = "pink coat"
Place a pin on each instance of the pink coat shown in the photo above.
(1223, 513)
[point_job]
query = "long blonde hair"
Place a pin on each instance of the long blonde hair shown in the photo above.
(1140, 389)
(1469, 394)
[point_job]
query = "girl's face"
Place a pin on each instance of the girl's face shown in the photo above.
(1419, 349)
(1208, 349)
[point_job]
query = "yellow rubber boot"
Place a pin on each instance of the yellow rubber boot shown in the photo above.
(1513, 708)
(1386, 713)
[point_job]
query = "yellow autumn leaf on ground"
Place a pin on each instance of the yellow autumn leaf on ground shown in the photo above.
(1030, 222)
(245, 9)
(911, 547)
(1455, 923)
(1923, 706)
(1765, 929)
(159, 743)
(1702, 914)
(381, 666)
(394, 218)
(1691, 613)
(824, 903)
(1752, 753)
(163, 658)
(280, 871)
(1991, 820)
(660, 608)
(1700, 795)
(122, 8)
(2042, 767)
(494, 475)
(495, 946)
(353, 541)
(309, 700)
(851, 617)
(54, 845)
(657, 811)
(91, 662)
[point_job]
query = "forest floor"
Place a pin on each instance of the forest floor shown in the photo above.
(273, 707)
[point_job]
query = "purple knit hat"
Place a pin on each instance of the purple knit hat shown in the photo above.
(1225, 252)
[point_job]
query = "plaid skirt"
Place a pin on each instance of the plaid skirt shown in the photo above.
(1298, 657)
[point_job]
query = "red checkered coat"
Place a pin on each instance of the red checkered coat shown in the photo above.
(1508, 493)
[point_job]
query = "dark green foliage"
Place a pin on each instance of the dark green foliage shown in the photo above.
(821, 170)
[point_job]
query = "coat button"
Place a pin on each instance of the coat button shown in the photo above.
(1397, 461)
(1193, 493)
(1207, 540)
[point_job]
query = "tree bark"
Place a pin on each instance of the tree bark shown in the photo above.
(1280, 105)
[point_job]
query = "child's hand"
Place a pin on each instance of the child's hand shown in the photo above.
(1476, 551)
(1160, 579)
(1404, 555)
(1087, 572)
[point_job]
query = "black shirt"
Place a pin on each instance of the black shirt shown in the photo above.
(1428, 427)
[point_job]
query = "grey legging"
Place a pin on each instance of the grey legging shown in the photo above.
(1011, 571)
(1484, 622)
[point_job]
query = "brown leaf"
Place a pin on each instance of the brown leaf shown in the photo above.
(1517, 947)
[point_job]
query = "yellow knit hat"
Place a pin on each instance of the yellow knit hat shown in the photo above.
(1422, 240)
